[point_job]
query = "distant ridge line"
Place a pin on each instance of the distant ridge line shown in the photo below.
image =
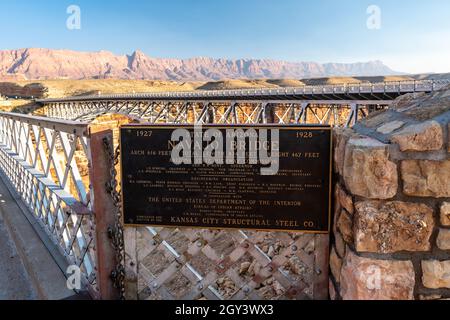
(45, 64)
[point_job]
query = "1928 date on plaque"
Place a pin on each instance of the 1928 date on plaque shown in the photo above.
(237, 177)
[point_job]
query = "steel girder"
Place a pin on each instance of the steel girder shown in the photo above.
(336, 113)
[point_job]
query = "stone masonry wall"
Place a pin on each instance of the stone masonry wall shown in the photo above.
(392, 203)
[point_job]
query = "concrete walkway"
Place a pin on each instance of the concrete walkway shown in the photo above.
(14, 281)
(27, 269)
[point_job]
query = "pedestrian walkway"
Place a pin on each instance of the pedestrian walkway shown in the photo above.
(27, 269)
(14, 281)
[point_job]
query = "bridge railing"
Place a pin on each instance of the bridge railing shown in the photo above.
(49, 163)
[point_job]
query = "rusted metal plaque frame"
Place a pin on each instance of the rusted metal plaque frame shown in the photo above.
(134, 199)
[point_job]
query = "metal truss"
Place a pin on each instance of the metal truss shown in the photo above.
(339, 105)
(335, 113)
(42, 159)
(351, 91)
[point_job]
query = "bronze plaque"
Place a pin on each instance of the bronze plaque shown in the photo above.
(158, 192)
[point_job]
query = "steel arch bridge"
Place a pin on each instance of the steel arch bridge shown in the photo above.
(337, 105)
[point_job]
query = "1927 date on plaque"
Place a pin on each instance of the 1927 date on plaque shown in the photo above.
(237, 177)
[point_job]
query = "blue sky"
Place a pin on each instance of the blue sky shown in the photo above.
(414, 34)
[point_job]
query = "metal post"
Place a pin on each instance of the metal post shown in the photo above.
(303, 116)
(104, 210)
(210, 118)
(355, 108)
(269, 114)
(353, 117)
(131, 264)
(320, 280)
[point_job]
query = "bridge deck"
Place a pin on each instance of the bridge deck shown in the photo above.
(27, 269)
(14, 281)
(346, 92)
